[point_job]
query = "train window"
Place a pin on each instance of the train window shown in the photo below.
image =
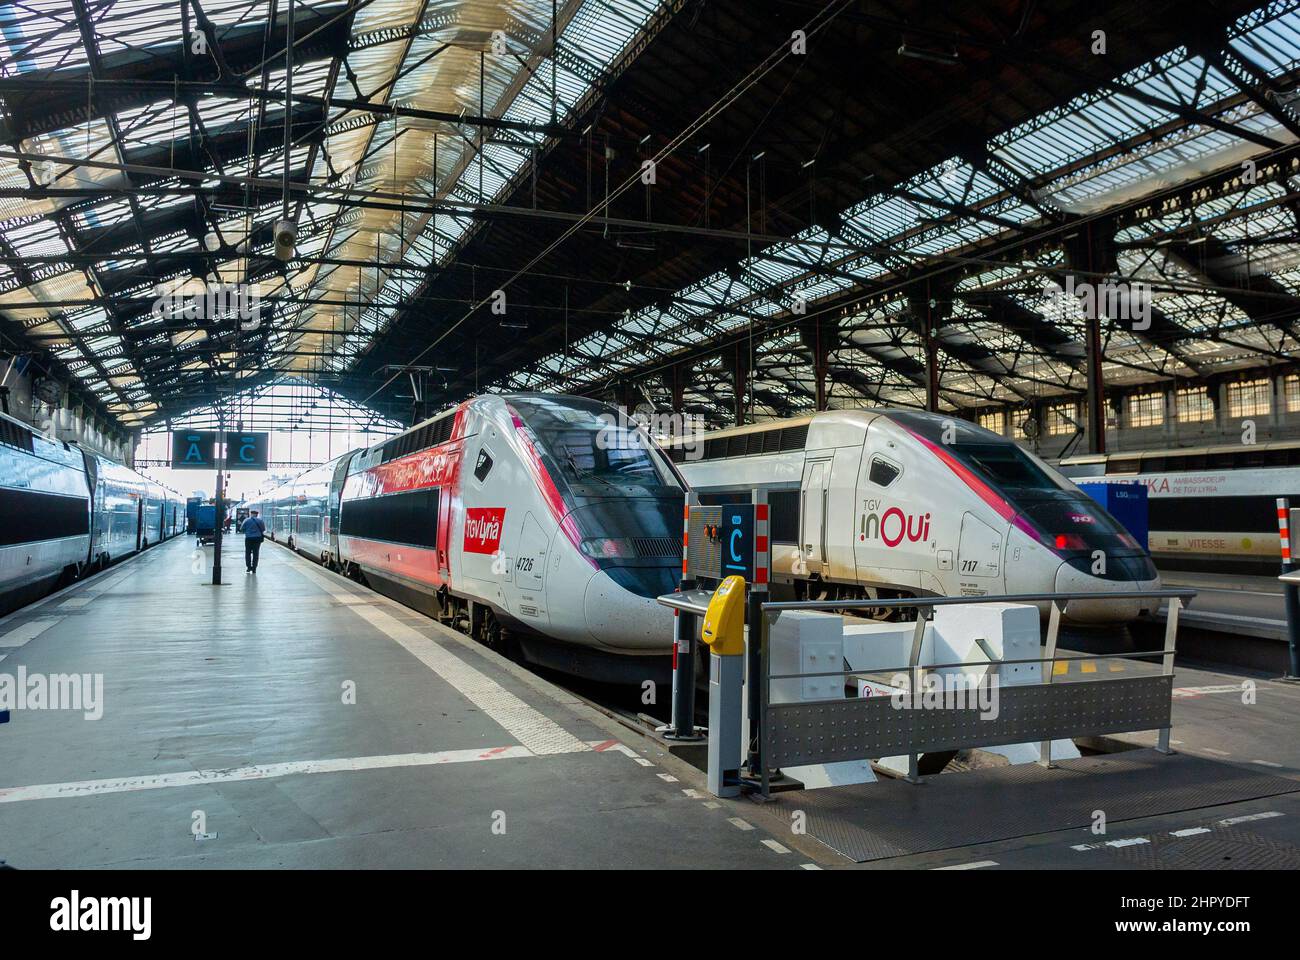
(1006, 465)
(483, 466)
(794, 438)
(882, 472)
(15, 436)
(588, 441)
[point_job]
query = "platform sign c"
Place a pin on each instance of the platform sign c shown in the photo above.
(246, 451)
(738, 540)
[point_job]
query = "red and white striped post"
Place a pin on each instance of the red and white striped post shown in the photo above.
(1290, 591)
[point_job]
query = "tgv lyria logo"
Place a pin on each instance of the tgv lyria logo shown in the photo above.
(483, 529)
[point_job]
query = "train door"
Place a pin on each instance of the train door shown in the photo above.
(530, 564)
(979, 554)
(335, 507)
(812, 514)
(891, 527)
(139, 522)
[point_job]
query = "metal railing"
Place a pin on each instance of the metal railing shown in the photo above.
(915, 670)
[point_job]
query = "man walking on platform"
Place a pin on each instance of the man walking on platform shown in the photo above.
(254, 531)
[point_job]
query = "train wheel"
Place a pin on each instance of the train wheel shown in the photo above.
(498, 639)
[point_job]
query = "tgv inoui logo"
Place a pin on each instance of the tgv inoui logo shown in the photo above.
(894, 526)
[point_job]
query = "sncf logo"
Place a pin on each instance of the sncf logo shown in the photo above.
(483, 529)
(893, 526)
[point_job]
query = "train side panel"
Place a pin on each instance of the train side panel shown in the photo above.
(44, 513)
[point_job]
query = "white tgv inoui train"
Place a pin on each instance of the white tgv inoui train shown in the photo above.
(873, 504)
(555, 516)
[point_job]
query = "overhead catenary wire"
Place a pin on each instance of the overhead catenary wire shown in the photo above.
(818, 22)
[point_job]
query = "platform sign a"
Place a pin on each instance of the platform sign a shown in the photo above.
(246, 451)
(194, 450)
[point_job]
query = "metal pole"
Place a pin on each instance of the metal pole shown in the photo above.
(765, 697)
(219, 502)
(683, 720)
(1290, 591)
(288, 106)
(758, 595)
(1048, 672)
(683, 726)
(1167, 664)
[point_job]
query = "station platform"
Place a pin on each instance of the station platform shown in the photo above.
(1234, 619)
(225, 739)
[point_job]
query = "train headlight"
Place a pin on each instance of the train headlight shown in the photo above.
(605, 548)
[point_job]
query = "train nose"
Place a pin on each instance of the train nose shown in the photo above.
(1072, 580)
(621, 620)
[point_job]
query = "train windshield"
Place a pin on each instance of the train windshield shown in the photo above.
(1007, 467)
(1000, 463)
(597, 450)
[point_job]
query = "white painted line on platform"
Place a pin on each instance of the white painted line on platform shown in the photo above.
(711, 805)
(529, 726)
(809, 866)
(1217, 753)
(666, 777)
(643, 761)
(739, 824)
(1267, 763)
(1127, 842)
(693, 794)
(1181, 692)
(27, 632)
(974, 865)
(268, 771)
(1249, 818)
(773, 845)
(1189, 832)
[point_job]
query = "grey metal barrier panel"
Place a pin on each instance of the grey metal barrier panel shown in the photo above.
(872, 727)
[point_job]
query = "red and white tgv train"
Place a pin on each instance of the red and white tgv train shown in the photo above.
(552, 517)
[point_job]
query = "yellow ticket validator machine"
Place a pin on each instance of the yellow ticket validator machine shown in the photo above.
(724, 632)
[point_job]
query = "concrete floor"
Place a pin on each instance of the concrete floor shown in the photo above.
(224, 717)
